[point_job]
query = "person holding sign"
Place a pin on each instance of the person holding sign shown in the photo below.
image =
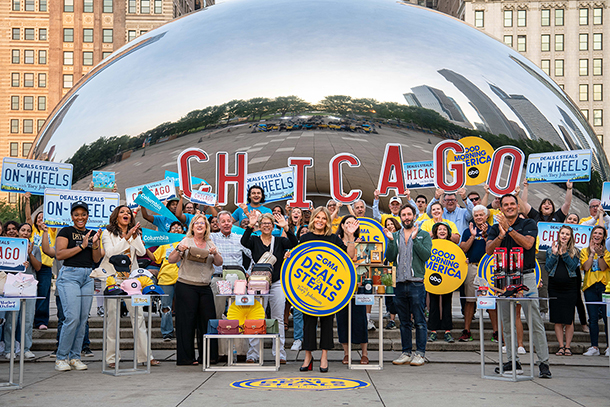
(394, 204)
(598, 215)
(80, 249)
(562, 264)
(461, 217)
(162, 223)
(436, 211)
(513, 231)
(594, 261)
(321, 229)
(256, 199)
(409, 249)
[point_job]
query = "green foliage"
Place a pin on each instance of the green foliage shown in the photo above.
(11, 212)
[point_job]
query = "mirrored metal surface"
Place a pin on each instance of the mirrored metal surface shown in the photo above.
(327, 76)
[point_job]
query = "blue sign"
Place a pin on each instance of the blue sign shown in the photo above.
(418, 174)
(606, 196)
(163, 190)
(364, 299)
(548, 233)
(140, 300)
(176, 180)
(9, 305)
(278, 184)
(34, 176)
(13, 253)
(57, 205)
(149, 201)
(103, 179)
(205, 198)
(152, 238)
(559, 166)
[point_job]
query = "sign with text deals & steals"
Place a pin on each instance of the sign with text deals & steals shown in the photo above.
(34, 176)
(559, 166)
(58, 203)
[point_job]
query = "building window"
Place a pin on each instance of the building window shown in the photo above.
(597, 67)
(559, 67)
(142, 32)
(508, 18)
(42, 34)
(68, 81)
(585, 113)
(28, 126)
(559, 16)
(107, 35)
(583, 67)
(598, 92)
(28, 103)
(68, 6)
(87, 34)
(558, 42)
(598, 16)
(521, 18)
(42, 57)
(583, 92)
(42, 103)
(29, 34)
(88, 6)
(598, 117)
(479, 17)
(40, 123)
(159, 8)
(68, 34)
(584, 16)
(14, 102)
(107, 6)
(521, 40)
(144, 6)
(583, 42)
(14, 126)
(68, 58)
(508, 40)
(132, 6)
(15, 79)
(28, 56)
(106, 55)
(87, 58)
(131, 34)
(28, 80)
(30, 5)
(42, 80)
(545, 65)
(545, 17)
(42, 5)
(15, 56)
(16, 34)
(14, 149)
(597, 42)
(26, 147)
(16, 5)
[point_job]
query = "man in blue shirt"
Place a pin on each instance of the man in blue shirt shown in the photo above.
(460, 216)
(256, 199)
(162, 223)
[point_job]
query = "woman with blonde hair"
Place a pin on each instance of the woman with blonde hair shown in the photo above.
(562, 263)
(197, 255)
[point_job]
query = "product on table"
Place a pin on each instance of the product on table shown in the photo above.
(500, 269)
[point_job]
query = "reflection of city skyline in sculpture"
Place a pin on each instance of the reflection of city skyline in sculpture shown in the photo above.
(435, 99)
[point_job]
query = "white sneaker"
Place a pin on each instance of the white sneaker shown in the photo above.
(607, 352)
(62, 365)
(592, 351)
(296, 345)
(503, 349)
(403, 359)
(76, 364)
(29, 355)
(418, 360)
(521, 350)
(371, 326)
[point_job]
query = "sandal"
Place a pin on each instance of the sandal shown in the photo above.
(568, 352)
(153, 362)
(561, 351)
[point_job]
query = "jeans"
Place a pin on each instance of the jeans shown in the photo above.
(297, 322)
(410, 298)
(594, 294)
(167, 323)
(30, 307)
(75, 289)
(44, 277)
(538, 333)
(60, 321)
(277, 302)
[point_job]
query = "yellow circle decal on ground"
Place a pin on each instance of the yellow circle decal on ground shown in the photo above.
(301, 383)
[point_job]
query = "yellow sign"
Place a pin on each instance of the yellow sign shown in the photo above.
(301, 383)
(477, 156)
(486, 271)
(318, 278)
(371, 231)
(446, 268)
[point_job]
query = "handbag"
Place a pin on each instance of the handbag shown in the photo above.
(255, 327)
(212, 326)
(269, 257)
(197, 254)
(20, 285)
(258, 285)
(273, 326)
(240, 287)
(224, 287)
(229, 327)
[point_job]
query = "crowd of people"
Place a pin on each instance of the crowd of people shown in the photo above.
(188, 270)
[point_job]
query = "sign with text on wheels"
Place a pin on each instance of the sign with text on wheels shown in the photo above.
(58, 203)
(559, 166)
(19, 175)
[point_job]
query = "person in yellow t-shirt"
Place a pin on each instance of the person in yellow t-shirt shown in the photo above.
(334, 207)
(45, 274)
(436, 210)
(594, 261)
(166, 279)
(494, 208)
(421, 201)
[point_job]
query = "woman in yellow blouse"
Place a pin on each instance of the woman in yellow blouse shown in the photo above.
(436, 210)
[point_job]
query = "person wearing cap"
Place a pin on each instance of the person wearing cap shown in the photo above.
(461, 217)
(162, 223)
(436, 211)
(80, 249)
(122, 242)
(256, 199)
(394, 204)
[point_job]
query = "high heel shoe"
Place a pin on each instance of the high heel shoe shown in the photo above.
(324, 369)
(308, 367)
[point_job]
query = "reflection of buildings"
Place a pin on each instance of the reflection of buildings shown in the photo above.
(435, 99)
(491, 115)
(51, 44)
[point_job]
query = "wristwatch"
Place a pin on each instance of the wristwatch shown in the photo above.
(510, 229)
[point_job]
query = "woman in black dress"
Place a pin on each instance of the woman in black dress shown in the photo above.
(562, 263)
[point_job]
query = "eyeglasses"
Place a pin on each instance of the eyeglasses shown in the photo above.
(450, 200)
(199, 223)
(266, 224)
(475, 198)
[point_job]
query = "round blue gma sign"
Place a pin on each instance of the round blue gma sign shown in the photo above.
(301, 383)
(318, 278)
(486, 270)
(372, 231)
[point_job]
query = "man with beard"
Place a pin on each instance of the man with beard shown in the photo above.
(409, 249)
